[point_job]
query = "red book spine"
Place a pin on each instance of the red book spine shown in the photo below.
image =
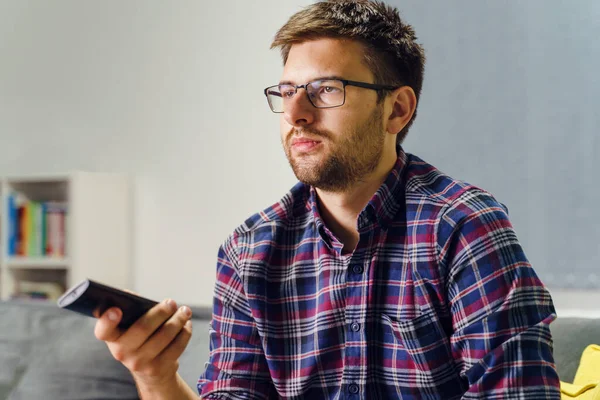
(20, 226)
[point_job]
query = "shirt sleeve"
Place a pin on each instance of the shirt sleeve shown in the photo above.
(237, 368)
(501, 311)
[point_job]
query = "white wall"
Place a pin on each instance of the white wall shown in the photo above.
(170, 92)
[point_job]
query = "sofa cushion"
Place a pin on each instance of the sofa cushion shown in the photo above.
(50, 353)
(571, 336)
(25, 328)
(68, 362)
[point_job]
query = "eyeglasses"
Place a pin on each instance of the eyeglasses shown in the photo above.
(322, 93)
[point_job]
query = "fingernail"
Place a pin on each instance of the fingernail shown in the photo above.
(188, 324)
(170, 303)
(113, 315)
(186, 311)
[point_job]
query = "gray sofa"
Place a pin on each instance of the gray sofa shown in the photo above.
(48, 353)
(51, 354)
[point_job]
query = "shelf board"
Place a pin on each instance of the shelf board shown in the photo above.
(37, 178)
(36, 262)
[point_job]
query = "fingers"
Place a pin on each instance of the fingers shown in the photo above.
(152, 346)
(147, 324)
(167, 333)
(172, 353)
(106, 327)
(107, 330)
(161, 353)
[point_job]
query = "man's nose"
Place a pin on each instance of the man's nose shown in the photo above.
(298, 111)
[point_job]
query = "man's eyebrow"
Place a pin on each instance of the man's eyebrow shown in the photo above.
(320, 78)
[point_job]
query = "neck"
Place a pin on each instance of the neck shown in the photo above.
(340, 210)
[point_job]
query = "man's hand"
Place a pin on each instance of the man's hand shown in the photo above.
(151, 347)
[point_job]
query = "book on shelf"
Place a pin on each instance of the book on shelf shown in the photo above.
(35, 229)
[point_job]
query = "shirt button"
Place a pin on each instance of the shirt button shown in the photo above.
(353, 388)
(357, 269)
(355, 326)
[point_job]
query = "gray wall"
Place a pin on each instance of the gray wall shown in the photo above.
(511, 103)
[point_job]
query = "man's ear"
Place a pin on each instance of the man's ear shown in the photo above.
(403, 104)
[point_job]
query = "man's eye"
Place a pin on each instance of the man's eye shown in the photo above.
(330, 89)
(288, 93)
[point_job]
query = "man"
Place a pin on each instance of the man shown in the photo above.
(377, 276)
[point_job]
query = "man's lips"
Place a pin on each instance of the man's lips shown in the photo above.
(304, 144)
(296, 141)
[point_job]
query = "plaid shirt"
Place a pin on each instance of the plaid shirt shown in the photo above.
(437, 301)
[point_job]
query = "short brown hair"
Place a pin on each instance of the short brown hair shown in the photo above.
(392, 53)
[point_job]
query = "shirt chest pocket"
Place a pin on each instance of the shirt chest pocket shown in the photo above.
(417, 344)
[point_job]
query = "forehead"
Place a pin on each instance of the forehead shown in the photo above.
(326, 57)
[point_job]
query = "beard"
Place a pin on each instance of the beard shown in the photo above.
(353, 155)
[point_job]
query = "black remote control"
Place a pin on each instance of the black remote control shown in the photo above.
(93, 299)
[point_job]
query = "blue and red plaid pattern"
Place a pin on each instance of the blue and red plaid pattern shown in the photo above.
(438, 301)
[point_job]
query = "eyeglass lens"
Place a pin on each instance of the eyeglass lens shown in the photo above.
(321, 93)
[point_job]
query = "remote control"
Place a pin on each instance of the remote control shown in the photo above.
(93, 299)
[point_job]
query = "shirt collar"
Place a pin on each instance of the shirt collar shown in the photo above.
(388, 200)
(383, 206)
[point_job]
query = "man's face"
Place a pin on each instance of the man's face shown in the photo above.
(332, 148)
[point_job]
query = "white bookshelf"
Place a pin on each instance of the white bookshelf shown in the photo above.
(97, 231)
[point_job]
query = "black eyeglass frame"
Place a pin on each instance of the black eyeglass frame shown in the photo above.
(345, 82)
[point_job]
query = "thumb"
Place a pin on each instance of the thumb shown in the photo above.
(106, 327)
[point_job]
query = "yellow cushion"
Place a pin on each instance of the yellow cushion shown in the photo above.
(586, 385)
(579, 392)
